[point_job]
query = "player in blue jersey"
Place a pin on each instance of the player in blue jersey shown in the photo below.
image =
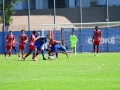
(51, 47)
(58, 47)
(40, 45)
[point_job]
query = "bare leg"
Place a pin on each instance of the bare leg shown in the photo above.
(19, 54)
(22, 51)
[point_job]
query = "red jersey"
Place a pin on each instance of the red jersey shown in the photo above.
(97, 35)
(13, 42)
(53, 43)
(10, 39)
(32, 39)
(22, 39)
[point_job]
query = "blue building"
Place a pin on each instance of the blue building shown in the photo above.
(47, 4)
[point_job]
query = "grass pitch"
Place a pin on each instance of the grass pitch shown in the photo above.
(78, 72)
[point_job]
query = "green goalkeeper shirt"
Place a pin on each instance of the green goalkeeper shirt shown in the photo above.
(73, 39)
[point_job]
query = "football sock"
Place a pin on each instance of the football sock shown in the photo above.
(42, 52)
(97, 49)
(27, 54)
(10, 53)
(18, 55)
(5, 54)
(34, 54)
(56, 54)
(94, 49)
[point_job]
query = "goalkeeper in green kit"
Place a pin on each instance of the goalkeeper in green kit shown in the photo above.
(73, 41)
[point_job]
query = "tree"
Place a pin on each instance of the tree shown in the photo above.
(9, 4)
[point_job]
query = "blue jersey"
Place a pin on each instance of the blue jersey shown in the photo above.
(43, 40)
(38, 44)
(57, 47)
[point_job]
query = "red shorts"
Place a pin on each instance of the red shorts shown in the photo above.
(9, 47)
(22, 47)
(31, 47)
(96, 43)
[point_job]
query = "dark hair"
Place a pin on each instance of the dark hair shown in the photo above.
(22, 30)
(34, 32)
(96, 27)
(10, 31)
(47, 35)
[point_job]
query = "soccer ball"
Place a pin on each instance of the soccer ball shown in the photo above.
(50, 57)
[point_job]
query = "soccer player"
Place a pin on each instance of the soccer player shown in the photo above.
(96, 39)
(22, 43)
(73, 41)
(39, 44)
(31, 45)
(52, 47)
(61, 48)
(9, 43)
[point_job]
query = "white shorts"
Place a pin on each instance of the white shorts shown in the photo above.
(44, 46)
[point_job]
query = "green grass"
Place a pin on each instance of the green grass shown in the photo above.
(78, 72)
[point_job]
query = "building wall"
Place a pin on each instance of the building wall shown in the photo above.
(110, 2)
(93, 14)
(43, 4)
(18, 6)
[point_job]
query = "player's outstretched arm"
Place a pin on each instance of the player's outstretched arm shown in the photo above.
(37, 38)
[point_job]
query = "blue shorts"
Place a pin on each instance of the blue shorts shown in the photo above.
(62, 48)
(57, 47)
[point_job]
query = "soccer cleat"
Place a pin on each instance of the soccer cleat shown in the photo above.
(49, 58)
(35, 59)
(96, 54)
(18, 58)
(9, 58)
(44, 59)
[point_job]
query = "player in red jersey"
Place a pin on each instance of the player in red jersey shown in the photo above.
(51, 46)
(96, 39)
(31, 46)
(9, 43)
(22, 43)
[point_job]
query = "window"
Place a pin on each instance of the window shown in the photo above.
(59, 3)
